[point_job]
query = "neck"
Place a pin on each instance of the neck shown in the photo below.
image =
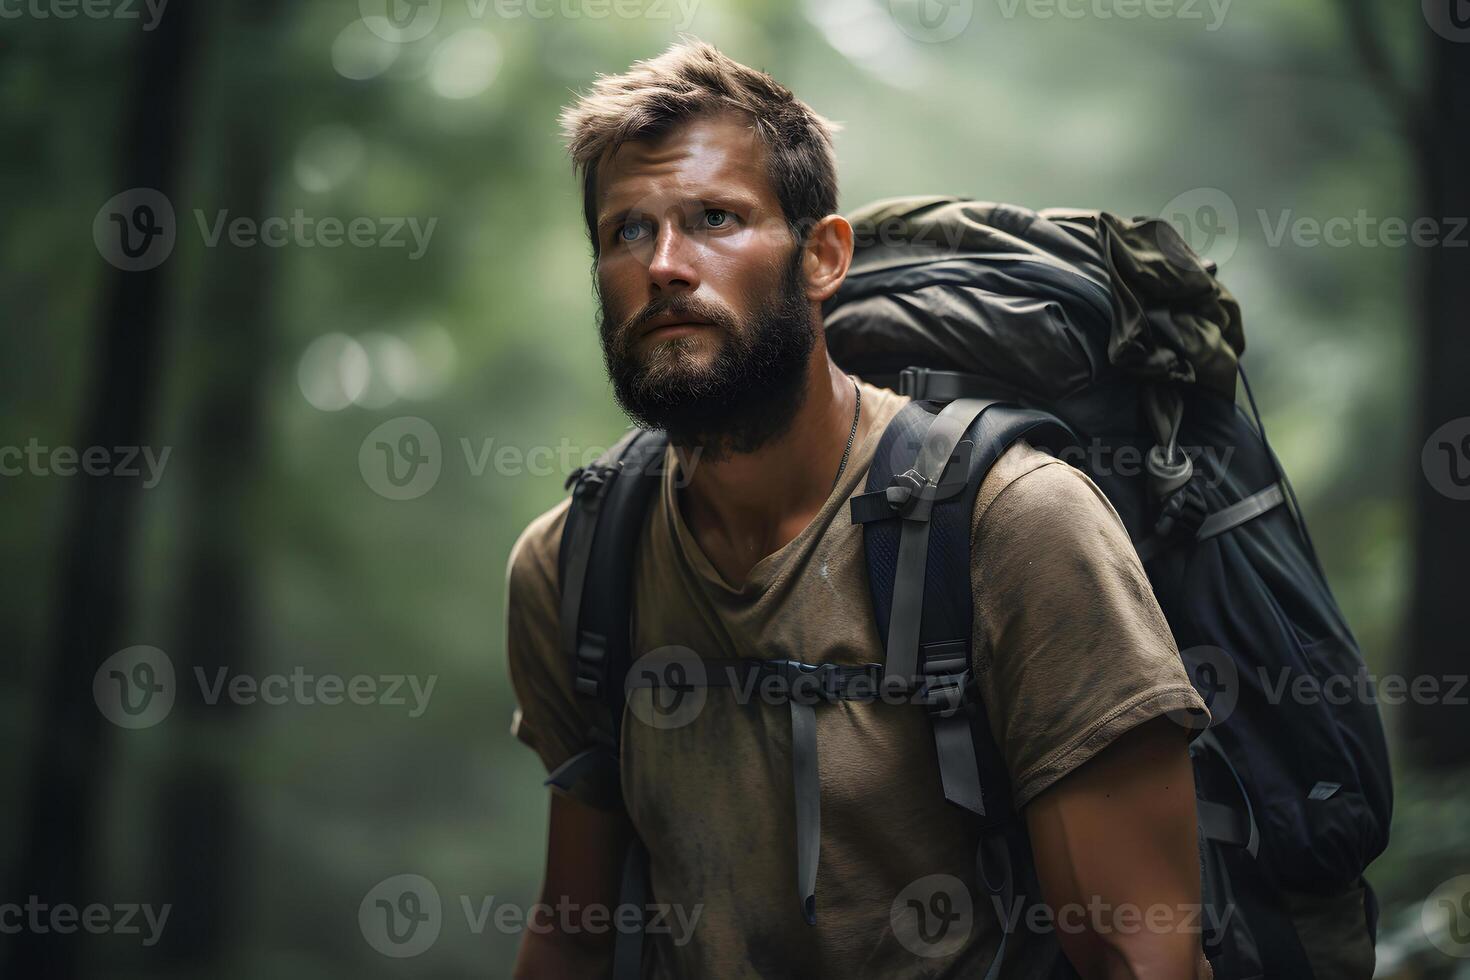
(747, 505)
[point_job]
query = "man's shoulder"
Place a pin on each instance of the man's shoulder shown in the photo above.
(883, 403)
(532, 566)
(1031, 484)
(1029, 480)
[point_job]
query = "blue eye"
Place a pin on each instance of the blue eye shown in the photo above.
(711, 214)
(623, 235)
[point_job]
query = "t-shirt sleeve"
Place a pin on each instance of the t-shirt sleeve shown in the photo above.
(1071, 648)
(549, 716)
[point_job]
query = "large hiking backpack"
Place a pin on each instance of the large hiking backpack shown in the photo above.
(1110, 344)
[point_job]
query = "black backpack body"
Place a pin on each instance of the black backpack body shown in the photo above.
(1111, 345)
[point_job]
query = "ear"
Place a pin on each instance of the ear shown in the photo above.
(828, 255)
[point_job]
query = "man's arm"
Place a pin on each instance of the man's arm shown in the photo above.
(1085, 691)
(1117, 859)
(584, 864)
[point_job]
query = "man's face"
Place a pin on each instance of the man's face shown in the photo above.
(705, 322)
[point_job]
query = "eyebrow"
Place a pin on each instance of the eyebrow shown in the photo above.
(735, 200)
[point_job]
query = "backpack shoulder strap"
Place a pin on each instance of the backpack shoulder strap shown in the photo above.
(916, 517)
(609, 499)
(917, 512)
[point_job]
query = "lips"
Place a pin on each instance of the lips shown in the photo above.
(666, 322)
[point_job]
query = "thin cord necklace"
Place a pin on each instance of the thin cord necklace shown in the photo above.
(856, 409)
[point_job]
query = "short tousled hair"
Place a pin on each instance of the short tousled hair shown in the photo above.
(693, 78)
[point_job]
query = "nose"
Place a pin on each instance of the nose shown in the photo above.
(673, 267)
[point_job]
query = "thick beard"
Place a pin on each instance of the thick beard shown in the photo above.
(747, 396)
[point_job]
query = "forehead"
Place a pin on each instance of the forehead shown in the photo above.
(706, 157)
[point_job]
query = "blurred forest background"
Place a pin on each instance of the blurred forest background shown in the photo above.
(267, 546)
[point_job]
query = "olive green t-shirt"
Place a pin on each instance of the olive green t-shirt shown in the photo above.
(1069, 647)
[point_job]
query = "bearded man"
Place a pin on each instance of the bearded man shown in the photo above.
(710, 198)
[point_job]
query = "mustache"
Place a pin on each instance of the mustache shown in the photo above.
(678, 307)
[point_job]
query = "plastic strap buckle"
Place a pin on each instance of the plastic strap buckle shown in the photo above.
(802, 682)
(590, 480)
(905, 492)
(591, 663)
(947, 678)
(1182, 514)
(944, 694)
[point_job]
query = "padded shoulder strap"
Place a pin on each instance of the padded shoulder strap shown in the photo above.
(916, 517)
(609, 500)
(924, 454)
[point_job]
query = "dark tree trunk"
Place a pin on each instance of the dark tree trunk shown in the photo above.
(1439, 607)
(197, 824)
(92, 597)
